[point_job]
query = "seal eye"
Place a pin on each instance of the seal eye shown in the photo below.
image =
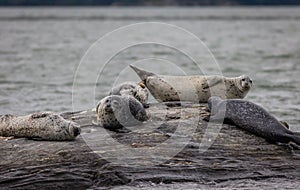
(115, 103)
(243, 80)
(250, 81)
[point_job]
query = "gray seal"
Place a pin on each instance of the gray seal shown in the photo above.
(116, 112)
(39, 126)
(194, 88)
(252, 118)
(137, 90)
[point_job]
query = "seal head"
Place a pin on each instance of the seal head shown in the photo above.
(116, 112)
(244, 82)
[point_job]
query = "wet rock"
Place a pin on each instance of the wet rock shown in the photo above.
(102, 159)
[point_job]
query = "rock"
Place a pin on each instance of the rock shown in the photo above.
(234, 156)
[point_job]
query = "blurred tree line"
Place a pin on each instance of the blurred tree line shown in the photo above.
(147, 2)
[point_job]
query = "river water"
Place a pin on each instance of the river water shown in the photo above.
(41, 49)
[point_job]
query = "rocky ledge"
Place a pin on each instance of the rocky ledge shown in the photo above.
(175, 147)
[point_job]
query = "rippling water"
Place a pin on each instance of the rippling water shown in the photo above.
(41, 48)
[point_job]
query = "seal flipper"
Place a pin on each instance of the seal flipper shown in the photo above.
(137, 110)
(142, 73)
(214, 81)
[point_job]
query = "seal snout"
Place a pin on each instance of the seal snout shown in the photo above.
(111, 103)
(76, 131)
(107, 104)
(246, 86)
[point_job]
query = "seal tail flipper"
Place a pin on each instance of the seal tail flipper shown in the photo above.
(141, 73)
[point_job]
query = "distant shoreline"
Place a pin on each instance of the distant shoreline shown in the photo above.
(154, 6)
(176, 3)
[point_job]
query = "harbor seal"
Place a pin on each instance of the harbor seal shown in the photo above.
(39, 126)
(116, 112)
(252, 118)
(193, 88)
(137, 90)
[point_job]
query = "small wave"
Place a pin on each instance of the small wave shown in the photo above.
(3, 52)
(279, 86)
(21, 82)
(4, 102)
(274, 70)
(283, 56)
(161, 53)
(232, 70)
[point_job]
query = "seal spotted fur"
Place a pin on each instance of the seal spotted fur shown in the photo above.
(193, 88)
(253, 118)
(137, 90)
(115, 112)
(39, 126)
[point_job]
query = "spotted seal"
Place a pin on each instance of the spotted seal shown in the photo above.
(193, 88)
(137, 90)
(116, 112)
(39, 126)
(253, 118)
